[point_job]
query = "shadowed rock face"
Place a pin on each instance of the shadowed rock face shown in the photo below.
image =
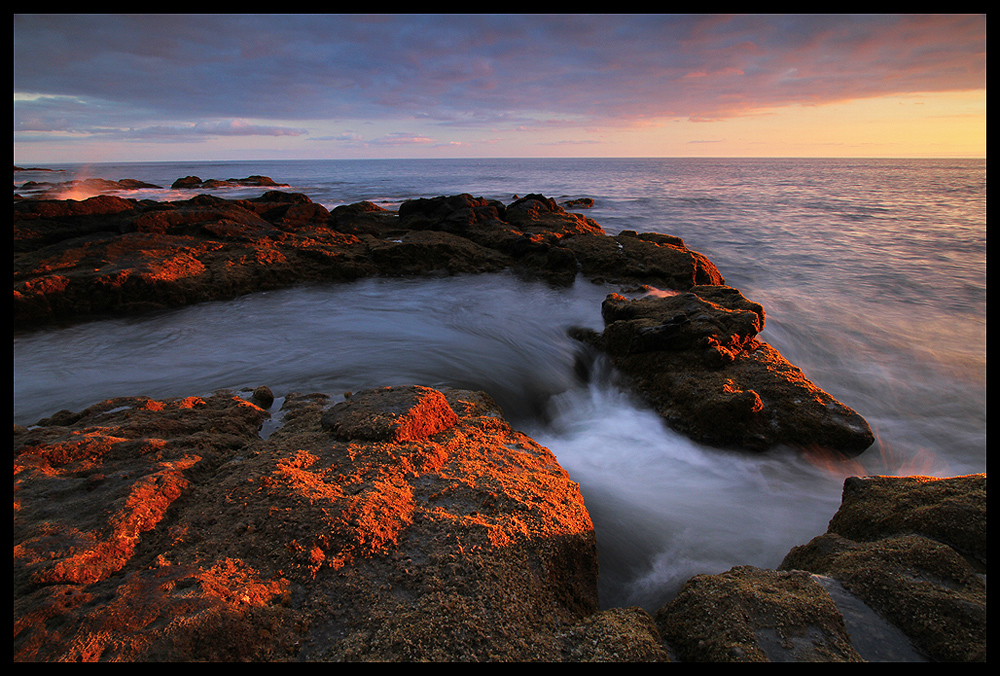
(914, 550)
(749, 614)
(899, 575)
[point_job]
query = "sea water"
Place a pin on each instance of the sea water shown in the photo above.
(872, 274)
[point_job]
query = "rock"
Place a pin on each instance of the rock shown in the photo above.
(536, 213)
(392, 414)
(149, 530)
(17, 168)
(899, 576)
(753, 615)
(914, 550)
(478, 219)
(87, 185)
(365, 218)
(195, 183)
(186, 183)
(262, 397)
(148, 255)
(129, 256)
(662, 262)
(695, 357)
(579, 203)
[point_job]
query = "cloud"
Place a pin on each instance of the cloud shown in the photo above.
(218, 128)
(401, 139)
(202, 74)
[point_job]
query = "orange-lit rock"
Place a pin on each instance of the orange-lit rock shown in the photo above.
(422, 528)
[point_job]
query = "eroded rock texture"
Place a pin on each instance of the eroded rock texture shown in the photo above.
(401, 524)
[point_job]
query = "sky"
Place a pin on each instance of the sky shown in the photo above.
(91, 87)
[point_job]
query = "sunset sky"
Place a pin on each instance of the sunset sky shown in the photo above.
(90, 88)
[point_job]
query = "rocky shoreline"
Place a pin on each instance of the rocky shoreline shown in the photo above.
(406, 523)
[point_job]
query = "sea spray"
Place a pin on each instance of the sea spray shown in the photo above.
(666, 508)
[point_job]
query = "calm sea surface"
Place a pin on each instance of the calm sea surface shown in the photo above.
(872, 273)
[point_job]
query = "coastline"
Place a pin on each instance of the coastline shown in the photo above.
(283, 239)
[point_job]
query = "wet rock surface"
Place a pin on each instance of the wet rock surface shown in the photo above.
(914, 550)
(900, 575)
(752, 615)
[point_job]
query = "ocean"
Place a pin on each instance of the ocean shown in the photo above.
(872, 274)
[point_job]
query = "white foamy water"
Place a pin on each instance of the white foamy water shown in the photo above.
(872, 274)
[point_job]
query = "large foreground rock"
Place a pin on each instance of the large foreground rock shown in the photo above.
(400, 524)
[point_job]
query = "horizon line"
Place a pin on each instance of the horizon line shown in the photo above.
(48, 164)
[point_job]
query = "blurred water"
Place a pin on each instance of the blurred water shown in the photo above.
(872, 273)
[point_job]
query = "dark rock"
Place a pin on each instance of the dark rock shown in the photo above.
(914, 550)
(365, 218)
(142, 254)
(87, 185)
(196, 183)
(696, 358)
(624, 259)
(754, 615)
(478, 219)
(186, 183)
(951, 511)
(392, 414)
(536, 213)
(263, 397)
(889, 581)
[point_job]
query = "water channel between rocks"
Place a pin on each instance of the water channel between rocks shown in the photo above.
(664, 507)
